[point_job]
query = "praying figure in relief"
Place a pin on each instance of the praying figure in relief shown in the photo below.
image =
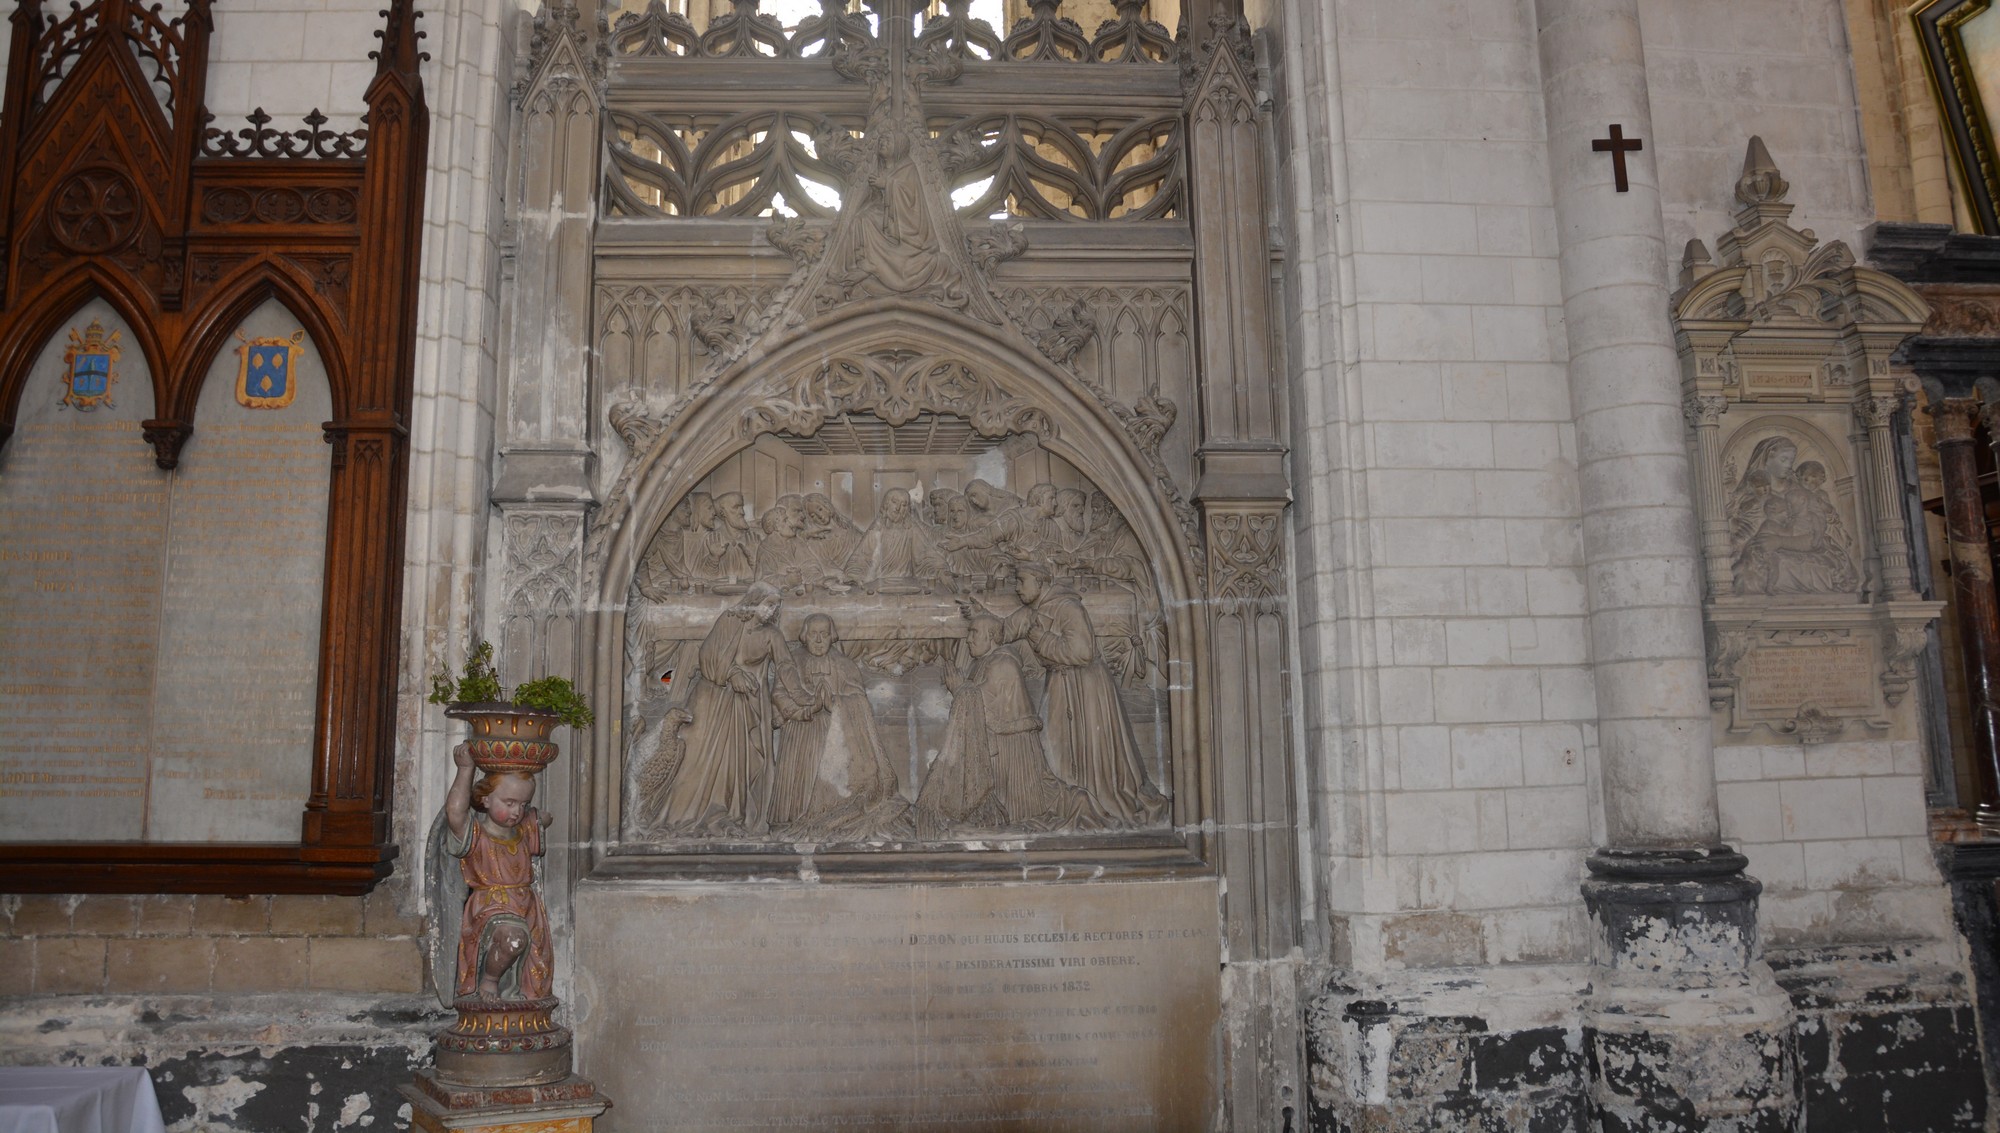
(991, 772)
(1089, 740)
(504, 947)
(833, 778)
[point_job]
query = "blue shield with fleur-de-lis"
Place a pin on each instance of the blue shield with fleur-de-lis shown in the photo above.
(269, 368)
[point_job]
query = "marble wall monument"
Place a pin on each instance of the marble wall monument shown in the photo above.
(1794, 413)
(904, 470)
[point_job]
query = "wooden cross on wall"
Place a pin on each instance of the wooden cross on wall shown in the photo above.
(1618, 145)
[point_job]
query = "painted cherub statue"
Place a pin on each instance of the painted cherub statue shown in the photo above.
(504, 948)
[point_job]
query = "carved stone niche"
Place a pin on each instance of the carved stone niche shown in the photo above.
(1792, 407)
(903, 599)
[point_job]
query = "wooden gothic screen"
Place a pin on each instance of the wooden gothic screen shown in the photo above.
(115, 191)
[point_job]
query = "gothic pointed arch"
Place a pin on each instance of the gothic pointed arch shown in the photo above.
(226, 309)
(40, 321)
(114, 185)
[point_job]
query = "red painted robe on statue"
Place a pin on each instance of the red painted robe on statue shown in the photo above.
(501, 877)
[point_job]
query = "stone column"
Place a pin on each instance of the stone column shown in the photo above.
(1955, 419)
(1704, 416)
(1876, 413)
(1678, 981)
(1639, 529)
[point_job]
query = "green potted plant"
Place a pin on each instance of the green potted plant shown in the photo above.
(510, 732)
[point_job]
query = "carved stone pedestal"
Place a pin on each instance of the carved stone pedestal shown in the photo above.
(571, 1105)
(503, 1043)
(1684, 1027)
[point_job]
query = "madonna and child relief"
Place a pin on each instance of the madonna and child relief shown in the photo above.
(1787, 536)
(867, 641)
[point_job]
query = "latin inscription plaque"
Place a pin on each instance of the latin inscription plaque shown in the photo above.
(1781, 678)
(1035, 1006)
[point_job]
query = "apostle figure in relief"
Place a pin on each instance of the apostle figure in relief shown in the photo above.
(663, 568)
(966, 563)
(1089, 741)
(782, 560)
(718, 789)
(988, 502)
(991, 772)
(504, 947)
(833, 779)
(827, 534)
(706, 543)
(1072, 518)
(739, 541)
(1030, 531)
(1110, 551)
(897, 553)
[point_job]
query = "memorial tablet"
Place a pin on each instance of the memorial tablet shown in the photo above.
(82, 532)
(245, 560)
(159, 631)
(1053, 1007)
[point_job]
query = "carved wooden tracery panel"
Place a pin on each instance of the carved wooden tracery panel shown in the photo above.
(114, 189)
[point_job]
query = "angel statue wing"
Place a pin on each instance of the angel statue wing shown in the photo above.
(448, 893)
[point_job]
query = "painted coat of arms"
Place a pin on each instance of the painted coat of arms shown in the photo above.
(268, 377)
(90, 367)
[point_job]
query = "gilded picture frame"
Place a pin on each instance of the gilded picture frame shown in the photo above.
(1961, 46)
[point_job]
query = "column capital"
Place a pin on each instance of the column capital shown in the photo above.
(1956, 418)
(1703, 409)
(1878, 411)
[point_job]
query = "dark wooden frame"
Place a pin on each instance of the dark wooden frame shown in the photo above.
(329, 223)
(1940, 28)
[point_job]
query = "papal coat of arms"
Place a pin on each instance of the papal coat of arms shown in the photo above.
(90, 367)
(268, 376)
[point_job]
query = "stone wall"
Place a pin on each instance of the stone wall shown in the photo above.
(1450, 710)
(1440, 585)
(266, 1012)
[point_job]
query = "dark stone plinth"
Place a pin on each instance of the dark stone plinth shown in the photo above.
(1443, 1072)
(1972, 869)
(1663, 1078)
(1688, 913)
(1684, 1029)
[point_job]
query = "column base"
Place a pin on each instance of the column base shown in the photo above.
(1684, 1026)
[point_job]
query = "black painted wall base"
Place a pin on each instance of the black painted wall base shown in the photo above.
(258, 1064)
(1880, 1041)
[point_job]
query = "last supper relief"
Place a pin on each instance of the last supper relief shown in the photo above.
(894, 633)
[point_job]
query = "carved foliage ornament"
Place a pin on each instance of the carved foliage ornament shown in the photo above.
(1246, 556)
(895, 386)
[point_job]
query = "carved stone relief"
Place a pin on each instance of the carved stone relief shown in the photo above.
(894, 632)
(1787, 537)
(1792, 411)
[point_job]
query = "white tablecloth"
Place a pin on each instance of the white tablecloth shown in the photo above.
(78, 1099)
